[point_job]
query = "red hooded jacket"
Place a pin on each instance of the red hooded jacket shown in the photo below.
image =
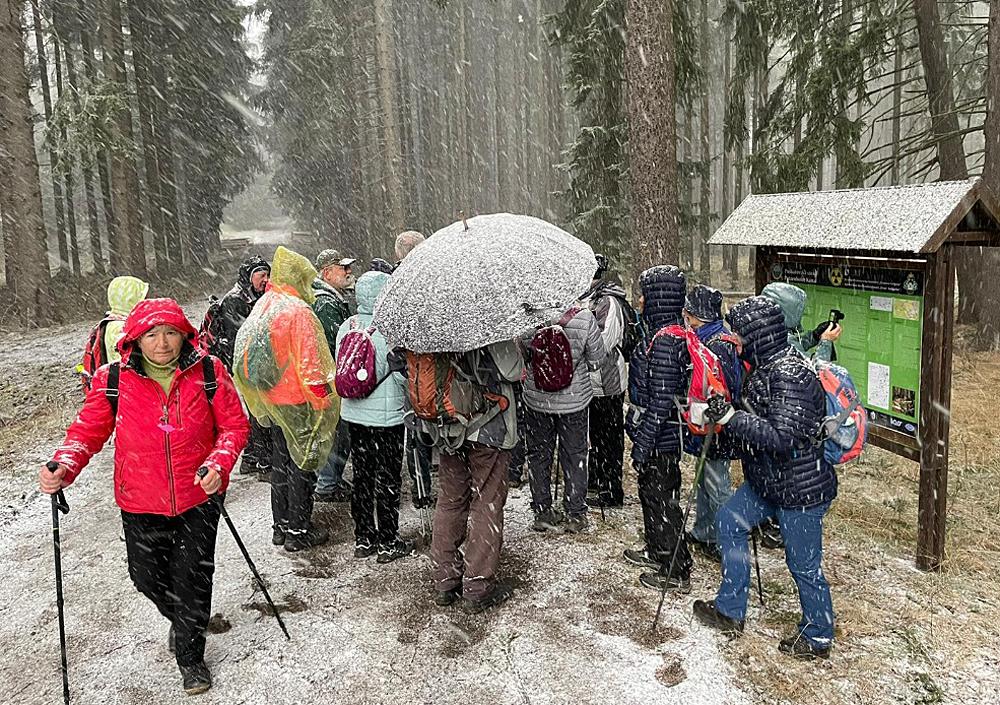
(162, 439)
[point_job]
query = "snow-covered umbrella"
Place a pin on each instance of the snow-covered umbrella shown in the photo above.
(480, 282)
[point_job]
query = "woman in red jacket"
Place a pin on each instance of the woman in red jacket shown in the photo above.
(175, 410)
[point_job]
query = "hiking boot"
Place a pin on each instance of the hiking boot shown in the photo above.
(799, 647)
(770, 535)
(640, 558)
(497, 596)
(515, 483)
(278, 536)
(172, 640)
(424, 503)
(363, 549)
(299, 540)
(658, 581)
(598, 502)
(709, 550)
(576, 525)
(547, 521)
(197, 678)
(446, 598)
(708, 615)
(394, 551)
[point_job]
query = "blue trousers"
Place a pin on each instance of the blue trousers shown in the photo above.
(715, 490)
(803, 532)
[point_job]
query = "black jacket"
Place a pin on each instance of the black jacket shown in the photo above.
(234, 309)
(777, 440)
(659, 379)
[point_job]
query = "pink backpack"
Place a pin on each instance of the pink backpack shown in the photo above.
(356, 364)
(552, 356)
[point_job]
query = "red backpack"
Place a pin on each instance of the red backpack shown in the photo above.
(356, 364)
(552, 355)
(707, 378)
(95, 353)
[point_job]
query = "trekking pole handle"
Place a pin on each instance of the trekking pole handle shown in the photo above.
(202, 472)
(58, 498)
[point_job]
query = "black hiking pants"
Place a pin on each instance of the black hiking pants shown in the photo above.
(378, 460)
(541, 433)
(258, 451)
(171, 560)
(291, 488)
(662, 514)
(518, 454)
(607, 448)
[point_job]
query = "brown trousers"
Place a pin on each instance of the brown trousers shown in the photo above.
(471, 497)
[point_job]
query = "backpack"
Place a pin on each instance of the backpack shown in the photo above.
(258, 365)
(707, 378)
(210, 330)
(552, 365)
(356, 364)
(844, 431)
(95, 353)
(739, 367)
(114, 376)
(633, 333)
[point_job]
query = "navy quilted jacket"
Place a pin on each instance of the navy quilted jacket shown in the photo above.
(781, 461)
(660, 378)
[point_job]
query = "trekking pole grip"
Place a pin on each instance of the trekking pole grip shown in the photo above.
(58, 499)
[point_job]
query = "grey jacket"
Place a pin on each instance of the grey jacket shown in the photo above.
(589, 353)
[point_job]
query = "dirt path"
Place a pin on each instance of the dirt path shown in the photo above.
(576, 630)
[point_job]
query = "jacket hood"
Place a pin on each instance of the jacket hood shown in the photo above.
(149, 313)
(760, 322)
(293, 273)
(664, 288)
(604, 288)
(791, 299)
(124, 293)
(367, 290)
(247, 269)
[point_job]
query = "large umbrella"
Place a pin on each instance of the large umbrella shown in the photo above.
(470, 285)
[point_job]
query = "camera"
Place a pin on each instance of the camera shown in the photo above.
(836, 316)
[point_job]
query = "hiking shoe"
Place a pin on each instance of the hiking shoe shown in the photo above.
(640, 558)
(598, 502)
(707, 549)
(497, 596)
(770, 535)
(278, 536)
(446, 598)
(547, 521)
(515, 483)
(658, 581)
(708, 615)
(197, 678)
(397, 549)
(299, 540)
(575, 525)
(172, 640)
(799, 647)
(425, 502)
(363, 549)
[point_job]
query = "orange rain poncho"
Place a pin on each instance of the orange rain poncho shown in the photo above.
(282, 363)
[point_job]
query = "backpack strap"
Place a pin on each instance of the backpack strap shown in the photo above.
(111, 391)
(569, 316)
(208, 372)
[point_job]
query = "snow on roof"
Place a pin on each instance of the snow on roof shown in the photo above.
(896, 218)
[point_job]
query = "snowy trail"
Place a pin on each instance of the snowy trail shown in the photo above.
(575, 631)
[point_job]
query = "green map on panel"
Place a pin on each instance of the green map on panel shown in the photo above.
(880, 345)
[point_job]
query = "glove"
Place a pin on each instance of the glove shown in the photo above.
(719, 411)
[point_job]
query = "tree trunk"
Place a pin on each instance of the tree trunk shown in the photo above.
(704, 208)
(897, 108)
(162, 110)
(66, 165)
(387, 80)
(57, 191)
(989, 324)
(729, 253)
(27, 260)
(649, 70)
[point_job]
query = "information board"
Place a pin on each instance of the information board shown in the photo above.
(882, 331)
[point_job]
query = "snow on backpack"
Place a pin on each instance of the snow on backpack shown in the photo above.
(356, 364)
(95, 353)
(707, 377)
(208, 333)
(845, 427)
(552, 355)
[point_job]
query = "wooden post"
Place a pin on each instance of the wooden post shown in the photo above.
(763, 259)
(935, 406)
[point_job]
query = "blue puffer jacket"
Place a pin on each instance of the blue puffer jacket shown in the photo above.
(384, 406)
(658, 379)
(781, 461)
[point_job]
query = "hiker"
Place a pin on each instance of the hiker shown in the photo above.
(123, 293)
(518, 455)
(406, 242)
(169, 419)
(284, 370)
(786, 476)
(468, 521)
(375, 422)
(657, 379)
(703, 315)
(332, 309)
(607, 409)
(560, 414)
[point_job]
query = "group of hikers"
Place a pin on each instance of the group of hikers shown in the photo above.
(289, 369)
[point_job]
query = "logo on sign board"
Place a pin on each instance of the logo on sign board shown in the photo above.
(836, 276)
(910, 285)
(777, 270)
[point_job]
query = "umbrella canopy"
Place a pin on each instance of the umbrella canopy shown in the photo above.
(463, 289)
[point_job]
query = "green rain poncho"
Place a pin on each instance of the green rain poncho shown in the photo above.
(283, 366)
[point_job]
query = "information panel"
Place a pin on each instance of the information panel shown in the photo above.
(883, 323)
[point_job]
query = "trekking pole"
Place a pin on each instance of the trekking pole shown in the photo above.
(699, 469)
(425, 522)
(59, 504)
(756, 562)
(202, 472)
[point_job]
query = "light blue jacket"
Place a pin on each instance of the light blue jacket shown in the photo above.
(384, 406)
